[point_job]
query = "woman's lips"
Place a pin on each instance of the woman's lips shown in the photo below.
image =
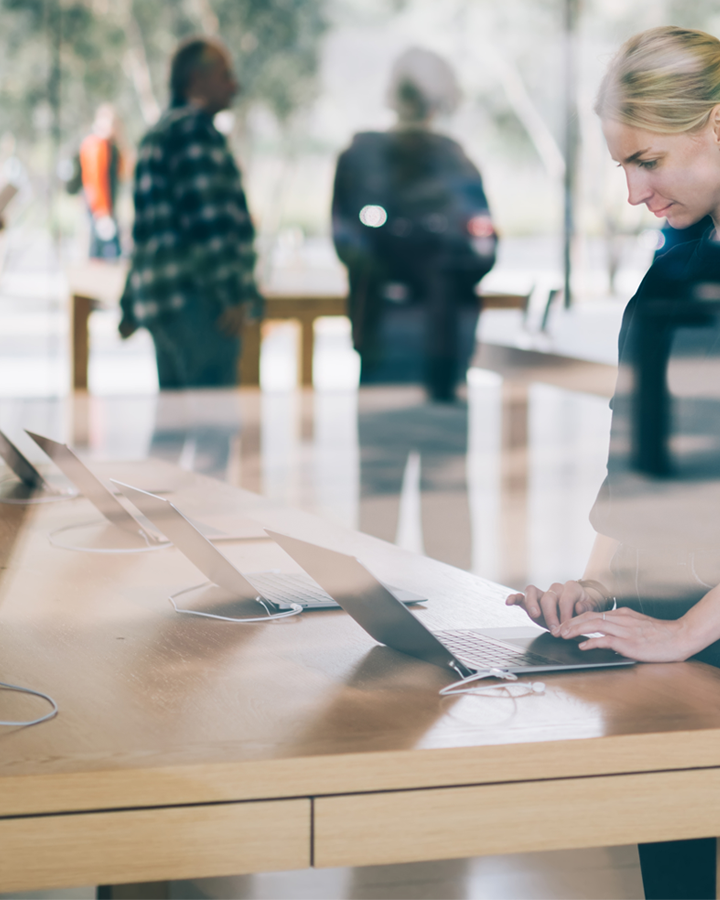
(660, 213)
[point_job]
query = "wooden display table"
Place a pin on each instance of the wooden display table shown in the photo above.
(97, 285)
(187, 747)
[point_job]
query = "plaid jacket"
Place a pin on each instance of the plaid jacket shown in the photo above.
(193, 235)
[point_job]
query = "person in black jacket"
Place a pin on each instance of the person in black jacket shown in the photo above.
(411, 223)
(651, 589)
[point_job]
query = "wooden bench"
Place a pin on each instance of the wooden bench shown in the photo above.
(306, 309)
(97, 285)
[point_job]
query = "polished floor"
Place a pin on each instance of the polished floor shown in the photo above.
(499, 483)
(611, 873)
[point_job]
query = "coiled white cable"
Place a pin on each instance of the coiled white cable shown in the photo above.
(24, 690)
(294, 610)
(494, 690)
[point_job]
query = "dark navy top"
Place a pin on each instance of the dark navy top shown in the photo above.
(661, 496)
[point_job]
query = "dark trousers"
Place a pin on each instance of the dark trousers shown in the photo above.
(414, 319)
(191, 351)
(102, 248)
(679, 870)
(421, 344)
(671, 870)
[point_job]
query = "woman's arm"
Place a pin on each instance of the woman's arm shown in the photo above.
(644, 638)
(598, 565)
(560, 602)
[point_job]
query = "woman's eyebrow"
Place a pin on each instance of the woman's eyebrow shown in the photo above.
(636, 156)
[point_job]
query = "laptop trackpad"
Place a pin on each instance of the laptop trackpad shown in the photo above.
(563, 651)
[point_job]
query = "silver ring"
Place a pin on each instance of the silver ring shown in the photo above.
(550, 591)
(603, 617)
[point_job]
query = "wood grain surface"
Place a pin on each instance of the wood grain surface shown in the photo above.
(451, 823)
(154, 844)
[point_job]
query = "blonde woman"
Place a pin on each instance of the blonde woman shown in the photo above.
(651, 589)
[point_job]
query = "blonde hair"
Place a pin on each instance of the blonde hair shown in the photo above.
(665, 80)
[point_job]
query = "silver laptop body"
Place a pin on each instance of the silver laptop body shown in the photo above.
(278, 588)
(21, 465)
(93, 489)
(361, 595)
(111, 509)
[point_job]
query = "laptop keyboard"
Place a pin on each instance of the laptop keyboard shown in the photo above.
(282, 589)
(482, 652)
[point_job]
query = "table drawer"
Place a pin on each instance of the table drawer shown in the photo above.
(153, 844)
(447, 823)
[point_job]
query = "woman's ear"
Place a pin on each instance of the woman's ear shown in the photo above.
(715, 122)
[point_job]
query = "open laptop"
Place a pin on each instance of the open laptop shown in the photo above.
(516, 650)
(280, 589)
(94, 490)
(110, 507)
(21, 466)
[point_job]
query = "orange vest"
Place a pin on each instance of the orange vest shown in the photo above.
(95, 155)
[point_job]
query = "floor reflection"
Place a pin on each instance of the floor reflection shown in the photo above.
(609, 872)
(413, 460)
(499, 483)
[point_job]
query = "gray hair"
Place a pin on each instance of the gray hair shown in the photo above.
(422, 84)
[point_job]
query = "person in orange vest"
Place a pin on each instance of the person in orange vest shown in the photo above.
(101, 168)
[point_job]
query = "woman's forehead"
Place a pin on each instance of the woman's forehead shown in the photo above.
(626, 142)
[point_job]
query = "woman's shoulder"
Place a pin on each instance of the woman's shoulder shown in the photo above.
(672, 275)
(674, 268)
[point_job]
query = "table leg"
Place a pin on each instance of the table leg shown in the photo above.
(81, 309)
(307, 348)
(249, 368)
(149, 890)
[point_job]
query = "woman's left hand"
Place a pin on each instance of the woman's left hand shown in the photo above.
(629, 633)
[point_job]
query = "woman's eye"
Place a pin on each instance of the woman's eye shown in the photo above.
(647, 163)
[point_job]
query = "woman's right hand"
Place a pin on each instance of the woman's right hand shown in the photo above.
(558, 604)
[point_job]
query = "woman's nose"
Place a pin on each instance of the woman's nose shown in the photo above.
(639, 191)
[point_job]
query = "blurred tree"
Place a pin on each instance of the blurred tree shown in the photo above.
(60, 58)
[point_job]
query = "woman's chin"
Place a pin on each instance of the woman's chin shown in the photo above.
(682, 219)
(678, 222)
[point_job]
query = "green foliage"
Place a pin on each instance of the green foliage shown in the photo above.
(275, 45)
(86, 52)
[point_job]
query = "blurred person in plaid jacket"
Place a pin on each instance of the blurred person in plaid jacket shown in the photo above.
(191, 281)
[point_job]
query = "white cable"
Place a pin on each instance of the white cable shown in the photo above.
(54, 539)
(507, 691)
(461, 687)
(295, 608)
(488, 673)
(24, 690)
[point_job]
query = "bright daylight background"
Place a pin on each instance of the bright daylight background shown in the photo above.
(313, 74)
